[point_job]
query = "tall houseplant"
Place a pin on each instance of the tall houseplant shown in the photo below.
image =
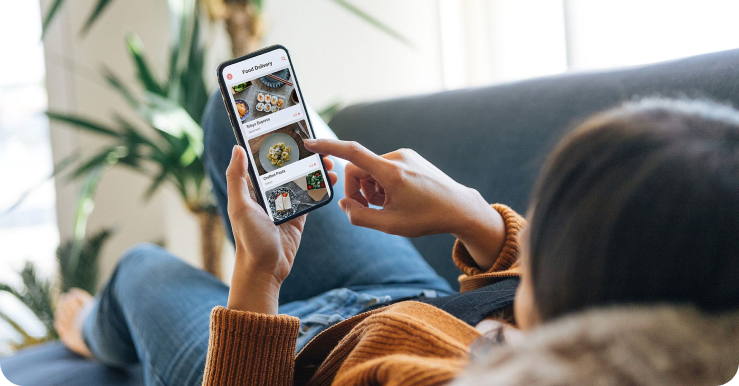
(171, 109)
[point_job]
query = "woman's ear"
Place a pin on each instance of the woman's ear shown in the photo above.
(524, 305)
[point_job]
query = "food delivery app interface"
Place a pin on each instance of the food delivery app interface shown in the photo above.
(273, 122)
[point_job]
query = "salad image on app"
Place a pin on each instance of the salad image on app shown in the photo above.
(315, 181)
(241, 87)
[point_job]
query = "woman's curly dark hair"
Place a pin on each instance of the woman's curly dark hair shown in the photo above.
(640, 205)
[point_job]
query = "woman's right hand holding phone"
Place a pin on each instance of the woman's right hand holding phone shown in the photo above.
(416, 198)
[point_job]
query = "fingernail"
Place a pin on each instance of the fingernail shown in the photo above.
(309, 141)
(342, 205)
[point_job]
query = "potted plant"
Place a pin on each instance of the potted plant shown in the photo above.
(171, 109)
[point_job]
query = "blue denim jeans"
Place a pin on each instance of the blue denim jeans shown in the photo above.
(155, 310)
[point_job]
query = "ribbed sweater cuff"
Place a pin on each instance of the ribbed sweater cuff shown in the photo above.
(247, 348)
(506, 264)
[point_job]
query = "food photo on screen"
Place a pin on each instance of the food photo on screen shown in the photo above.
(280, 147)
(297, 195)
(265, 95)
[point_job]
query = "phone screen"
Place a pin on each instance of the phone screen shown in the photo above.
(270, 121)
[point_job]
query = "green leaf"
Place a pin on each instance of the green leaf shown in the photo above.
(37, 295)
(158, 180)
(172, 83)
(6, 288)
(194, 93)
(145, 76)
(27, 340)
(107, 157)
(133, 134)
(96, 12)
(53, 11)
(182, 15)
(83, 123)
(85, 274)
(378, 24)
(85, 205)
(118, 85)
(169, 117)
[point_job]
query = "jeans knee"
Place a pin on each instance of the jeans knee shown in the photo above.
(143, 263)
(140, 254)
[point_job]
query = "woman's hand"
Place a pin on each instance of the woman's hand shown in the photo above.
(416, 198)
(264, 252)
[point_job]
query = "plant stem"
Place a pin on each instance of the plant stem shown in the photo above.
(244, 26)
(211, 241)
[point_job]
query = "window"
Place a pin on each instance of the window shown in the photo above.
(610, 33)
(492, 41)
(28, 232)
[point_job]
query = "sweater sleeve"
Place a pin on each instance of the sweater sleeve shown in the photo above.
(247, 348)
(506, 264)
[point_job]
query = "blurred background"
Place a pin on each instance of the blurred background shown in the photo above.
(99, 118)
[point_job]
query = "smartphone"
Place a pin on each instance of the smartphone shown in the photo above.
(270, 121)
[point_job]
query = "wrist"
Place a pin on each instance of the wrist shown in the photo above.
(482, 230)
(472, 214)
(254, 291)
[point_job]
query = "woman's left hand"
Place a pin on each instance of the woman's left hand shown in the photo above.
(264, 252)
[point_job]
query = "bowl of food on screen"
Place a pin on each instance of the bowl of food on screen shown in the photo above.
(277, 79)
(242, 108)
(279, 154)
(283, 203)
(294, 96)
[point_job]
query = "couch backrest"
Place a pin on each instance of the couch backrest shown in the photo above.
(513, 126)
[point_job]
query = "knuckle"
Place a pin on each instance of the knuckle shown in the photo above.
(397, 175)
(405, 152)
(355, 147)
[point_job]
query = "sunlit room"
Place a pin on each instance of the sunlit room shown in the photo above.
(469, 192)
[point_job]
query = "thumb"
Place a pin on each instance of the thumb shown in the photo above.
(237, 179)
(363, 216)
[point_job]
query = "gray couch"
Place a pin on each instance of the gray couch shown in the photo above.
(514, 124)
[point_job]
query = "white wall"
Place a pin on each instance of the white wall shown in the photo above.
(338, 57)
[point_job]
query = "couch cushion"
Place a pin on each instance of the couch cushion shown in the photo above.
(53, 365)
(514, 125)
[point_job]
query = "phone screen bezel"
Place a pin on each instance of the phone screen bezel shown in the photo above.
(240, 139)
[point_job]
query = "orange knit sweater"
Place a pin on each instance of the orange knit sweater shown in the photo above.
(408, 343)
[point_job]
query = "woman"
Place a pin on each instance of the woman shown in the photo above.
(628, 273)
